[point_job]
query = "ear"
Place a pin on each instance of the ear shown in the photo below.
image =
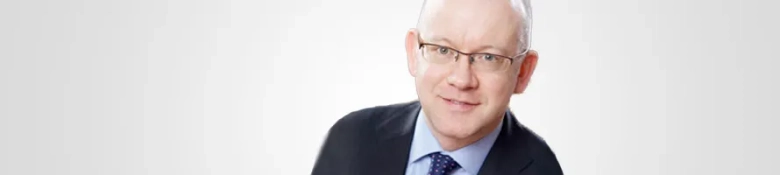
(526, 70)
(412, 44)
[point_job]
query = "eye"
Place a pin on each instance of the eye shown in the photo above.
(443, 50)
(489, 57)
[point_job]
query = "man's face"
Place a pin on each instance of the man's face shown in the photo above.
(459, 100)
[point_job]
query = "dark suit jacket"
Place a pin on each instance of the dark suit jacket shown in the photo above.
(377, 140)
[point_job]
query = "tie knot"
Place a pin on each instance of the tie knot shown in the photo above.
(442, 164)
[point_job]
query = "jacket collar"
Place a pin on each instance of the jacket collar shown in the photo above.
(509, 154)
(395, 131)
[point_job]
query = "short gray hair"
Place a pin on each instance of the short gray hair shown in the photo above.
(525, 10)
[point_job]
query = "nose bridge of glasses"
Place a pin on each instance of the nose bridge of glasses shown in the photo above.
(471, 56)
(458, 53)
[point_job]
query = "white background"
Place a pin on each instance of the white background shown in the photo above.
(250, 87)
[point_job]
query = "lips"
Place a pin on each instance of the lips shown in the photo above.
(460, 102)
(460, 105)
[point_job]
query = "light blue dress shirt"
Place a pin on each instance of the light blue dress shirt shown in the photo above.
(470, 157)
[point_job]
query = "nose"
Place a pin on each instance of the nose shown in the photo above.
(461, 75)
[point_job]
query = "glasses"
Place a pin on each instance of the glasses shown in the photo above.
(486, 62)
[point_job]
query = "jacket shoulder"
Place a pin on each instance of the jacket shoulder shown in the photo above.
(544, 159)
(369, 118)
(351, 137)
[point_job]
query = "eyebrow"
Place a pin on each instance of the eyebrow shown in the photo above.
(437, 39)
(485, 48)
(480, 49)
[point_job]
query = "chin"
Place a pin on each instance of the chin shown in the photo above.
(460, 134)
(454, 129)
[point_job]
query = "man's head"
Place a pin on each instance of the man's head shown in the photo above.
(465, 98)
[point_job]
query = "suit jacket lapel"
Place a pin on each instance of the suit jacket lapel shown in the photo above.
(393, 144)
(508, 155)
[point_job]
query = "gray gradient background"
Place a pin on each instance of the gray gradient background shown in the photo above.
(250, 87)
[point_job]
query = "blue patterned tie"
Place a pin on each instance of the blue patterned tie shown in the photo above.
(441, 164)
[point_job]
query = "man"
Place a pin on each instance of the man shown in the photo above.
(467, 58)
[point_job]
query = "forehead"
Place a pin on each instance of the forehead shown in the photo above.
(472, 24)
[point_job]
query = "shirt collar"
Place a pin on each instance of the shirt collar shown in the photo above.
(470, 158)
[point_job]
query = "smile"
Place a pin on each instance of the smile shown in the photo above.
(459, 105)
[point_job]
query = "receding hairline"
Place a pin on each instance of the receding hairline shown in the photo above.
(523, 7)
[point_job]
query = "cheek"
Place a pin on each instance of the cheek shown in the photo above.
(496, 88)
(432, 76)
(422, 67)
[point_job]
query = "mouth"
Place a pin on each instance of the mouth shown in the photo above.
(460, 105)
